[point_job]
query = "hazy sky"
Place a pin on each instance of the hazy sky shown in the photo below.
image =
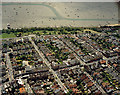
(60, 0)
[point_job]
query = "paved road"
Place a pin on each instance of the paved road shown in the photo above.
(9, 66)
(96, 84)
(10, 73)
(83, 63)
(48, 64)
(92, 31)
(77, 57)
(27, 87)
(115, 57)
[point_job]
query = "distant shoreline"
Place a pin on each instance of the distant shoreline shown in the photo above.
(57, 14)
(31, 15)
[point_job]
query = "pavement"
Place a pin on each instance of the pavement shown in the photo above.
(83, 63)
(27, 87)
(92, 31)
(95, 83)
(77, 57)
(48, 64)
(9, 66)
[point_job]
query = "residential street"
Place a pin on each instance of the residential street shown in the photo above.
(9, 66)
(47, 63)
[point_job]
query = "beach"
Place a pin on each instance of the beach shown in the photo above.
(59, 14)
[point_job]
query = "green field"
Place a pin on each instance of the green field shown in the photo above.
(42, 32)
(46, 32)
(5, 35)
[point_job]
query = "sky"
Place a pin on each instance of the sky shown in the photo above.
(60, 0)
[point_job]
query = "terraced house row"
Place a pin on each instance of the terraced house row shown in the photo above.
(72, 64)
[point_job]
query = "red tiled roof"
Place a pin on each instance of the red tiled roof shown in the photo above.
(105, 84)
(22, 90)
(75, 90)
(72, 85)
(103, 61)
(83, 76)
(49, 54)
(90, 83)
(95, 73)
(115, 65)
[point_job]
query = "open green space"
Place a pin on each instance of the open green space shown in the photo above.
(6, 35)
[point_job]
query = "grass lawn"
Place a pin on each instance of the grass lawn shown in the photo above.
(40, 32)
(11, 35)
(47, 32)
(92, 31)
(5, 35)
